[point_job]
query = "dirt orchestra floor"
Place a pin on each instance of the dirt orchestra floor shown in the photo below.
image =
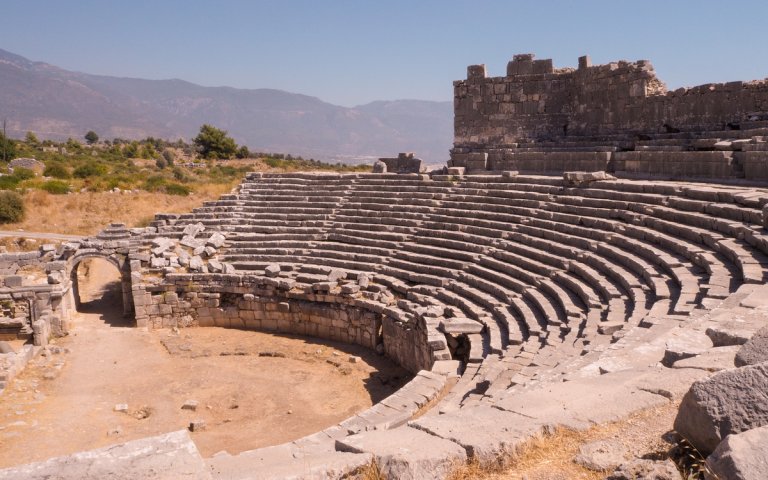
(252, 389)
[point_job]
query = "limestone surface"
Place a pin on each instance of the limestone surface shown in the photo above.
(164, 457)
(755, 350)
(741, 456)
(729, 402)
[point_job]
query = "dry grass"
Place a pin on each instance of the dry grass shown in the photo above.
(550, 457)
(88, 213)
(19, 244)
(368, 472)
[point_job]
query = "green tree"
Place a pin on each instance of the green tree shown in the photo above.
(11, 207)
(212, 142)
(73, 145)
(91, 137)
(169, 157)
(7, 148)
(243, 152)
(32, 140)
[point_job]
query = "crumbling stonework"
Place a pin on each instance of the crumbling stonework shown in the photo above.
(403, 163)
(616, 117)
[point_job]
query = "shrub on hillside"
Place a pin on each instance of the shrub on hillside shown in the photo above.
(177, 189)
(11, 207)
(22, 173)
(56, 170)
(155, 183)
(8, 182)
(56, 187)
(90, 169)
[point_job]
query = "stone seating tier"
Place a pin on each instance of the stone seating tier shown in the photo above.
(528, 277)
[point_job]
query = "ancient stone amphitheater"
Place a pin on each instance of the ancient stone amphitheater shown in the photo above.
(522, 294)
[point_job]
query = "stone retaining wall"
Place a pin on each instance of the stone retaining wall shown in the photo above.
(273, 305)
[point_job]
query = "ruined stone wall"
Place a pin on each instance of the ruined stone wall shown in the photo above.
(536, 102)
(253, 303)
(34, 296)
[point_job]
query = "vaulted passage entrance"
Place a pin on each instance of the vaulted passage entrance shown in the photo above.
(97, 287)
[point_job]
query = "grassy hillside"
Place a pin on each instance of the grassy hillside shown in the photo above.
(82, 188)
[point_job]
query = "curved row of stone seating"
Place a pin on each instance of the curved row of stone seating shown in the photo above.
(534, 261)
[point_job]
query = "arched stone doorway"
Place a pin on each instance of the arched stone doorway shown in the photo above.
(101, 282)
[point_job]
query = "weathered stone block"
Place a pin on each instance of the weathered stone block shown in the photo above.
(731, 401)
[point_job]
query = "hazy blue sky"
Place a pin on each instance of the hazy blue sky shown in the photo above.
(350, 52)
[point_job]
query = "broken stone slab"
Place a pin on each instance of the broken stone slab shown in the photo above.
(486, 433)
(194, 229)
(161, 244)
(215, 266)
(450, 368)
(406, 453)
(196, 263)
(209, 251)
(350, 288)
(190, 405)
(585, 178)
(272, 270)
(741, 456)
(755, 350)
(163, 457)
(191, 242)
(323, 286)
(601, 455)
(216, 240)
(13, 281)
(363, 279)
(609, 328)
(158, 262)
(460, 325)
(728, 402)
(318, 460)
(197, 425)
(713, 360)
(726, 335)
(183, 258)
(379, 167)
(756, 299)
(572, 404)
(228, 268)
(685, 344)
(336, 274)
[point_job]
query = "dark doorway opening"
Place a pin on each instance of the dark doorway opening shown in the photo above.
(97, 286)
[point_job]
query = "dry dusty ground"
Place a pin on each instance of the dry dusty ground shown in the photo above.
(65, 402)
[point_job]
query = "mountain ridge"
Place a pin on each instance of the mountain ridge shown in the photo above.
(57, 103)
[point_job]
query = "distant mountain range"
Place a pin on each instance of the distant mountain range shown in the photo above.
(57, 104)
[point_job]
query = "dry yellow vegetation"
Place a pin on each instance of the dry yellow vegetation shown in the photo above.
(88, 213)
(550, 457)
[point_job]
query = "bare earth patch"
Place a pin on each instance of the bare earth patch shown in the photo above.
(252, 389)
